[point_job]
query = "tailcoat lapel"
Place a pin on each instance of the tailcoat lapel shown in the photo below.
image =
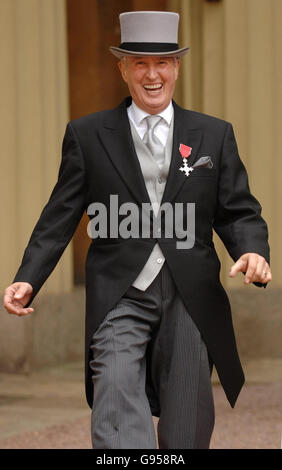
(185, 132)
(117, 140)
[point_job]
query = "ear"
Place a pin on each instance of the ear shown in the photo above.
(177, 67)
(122, 68)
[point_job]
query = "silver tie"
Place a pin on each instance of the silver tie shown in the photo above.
(151, 140)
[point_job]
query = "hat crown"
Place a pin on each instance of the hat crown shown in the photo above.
(149, 33)
(149, 27)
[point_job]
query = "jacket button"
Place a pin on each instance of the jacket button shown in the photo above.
(159, 260)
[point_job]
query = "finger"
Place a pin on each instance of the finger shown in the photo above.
(17, 309)
(252, 266)
(267, 276)
(240, 265)
(8, 302)
(25, 312)
(260, 272)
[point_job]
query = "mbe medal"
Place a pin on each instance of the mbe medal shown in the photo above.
(185, 152)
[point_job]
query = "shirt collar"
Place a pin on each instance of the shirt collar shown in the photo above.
(139, 114)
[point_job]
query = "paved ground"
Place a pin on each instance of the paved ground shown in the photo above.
(48, 410)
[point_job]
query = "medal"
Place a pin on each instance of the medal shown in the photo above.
(185, 152)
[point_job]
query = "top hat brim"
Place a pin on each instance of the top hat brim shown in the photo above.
(119, 53)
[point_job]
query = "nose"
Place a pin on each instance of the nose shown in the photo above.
(152, 72)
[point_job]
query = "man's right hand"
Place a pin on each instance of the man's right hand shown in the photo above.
(16, 296)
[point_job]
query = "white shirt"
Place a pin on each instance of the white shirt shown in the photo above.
(138, 115)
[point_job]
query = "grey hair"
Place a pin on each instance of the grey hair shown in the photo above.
(123, 59)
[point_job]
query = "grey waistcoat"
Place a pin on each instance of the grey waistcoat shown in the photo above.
(155, 176)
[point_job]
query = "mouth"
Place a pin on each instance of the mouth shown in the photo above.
(153, 87)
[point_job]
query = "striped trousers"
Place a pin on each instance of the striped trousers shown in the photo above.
(121, 416)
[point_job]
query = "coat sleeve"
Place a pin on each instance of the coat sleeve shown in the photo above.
(59, 217)
(238, 221)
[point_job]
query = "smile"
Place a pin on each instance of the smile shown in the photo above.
(153, 87)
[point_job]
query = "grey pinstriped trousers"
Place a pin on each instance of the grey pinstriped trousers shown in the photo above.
(121, 415)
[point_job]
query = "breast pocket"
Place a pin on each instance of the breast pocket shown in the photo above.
(200, 186)
(210, 172)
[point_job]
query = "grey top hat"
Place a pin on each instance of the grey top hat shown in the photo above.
(149, 33)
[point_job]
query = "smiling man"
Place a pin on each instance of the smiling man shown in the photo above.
(151, 81)
(157, 317)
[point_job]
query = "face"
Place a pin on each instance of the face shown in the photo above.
(151, 80)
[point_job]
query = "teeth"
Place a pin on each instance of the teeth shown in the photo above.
(153, 87)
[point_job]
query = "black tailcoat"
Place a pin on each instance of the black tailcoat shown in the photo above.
(99, 160)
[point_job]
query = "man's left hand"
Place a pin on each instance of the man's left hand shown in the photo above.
(255, 266)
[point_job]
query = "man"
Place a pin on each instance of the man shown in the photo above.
(157, 316)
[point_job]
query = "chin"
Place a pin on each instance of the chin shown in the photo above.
(155, 105)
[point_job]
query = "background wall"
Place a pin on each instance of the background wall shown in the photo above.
(55, 66)
(33, 114)
(234, 72)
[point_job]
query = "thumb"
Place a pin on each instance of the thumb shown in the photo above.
(21, 292)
